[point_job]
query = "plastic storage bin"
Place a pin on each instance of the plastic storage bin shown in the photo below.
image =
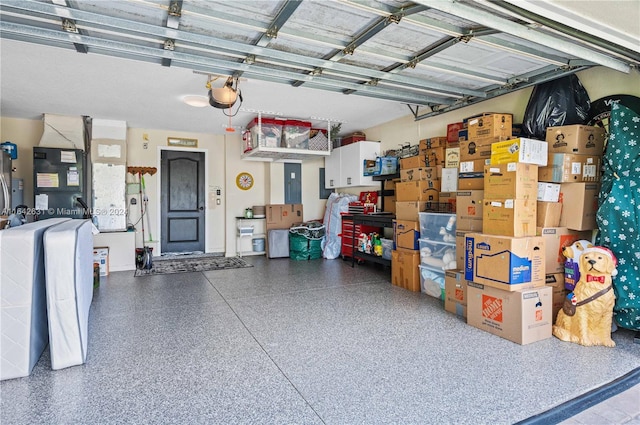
(268, 134)
(295, 134)
(387, 247)
(438, 255)
(432, 282)
(439, 227)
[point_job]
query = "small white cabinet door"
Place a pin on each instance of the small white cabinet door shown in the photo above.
(352, 163)
(332, 170)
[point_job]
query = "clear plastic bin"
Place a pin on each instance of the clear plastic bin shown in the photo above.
(432, 282)
(387, 247)
(438, 227)
(438, 255)
(267, 134)
(295, 134)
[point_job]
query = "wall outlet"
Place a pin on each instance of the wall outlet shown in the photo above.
(145, 145)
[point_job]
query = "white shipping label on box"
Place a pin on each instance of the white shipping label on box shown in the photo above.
(548, 192)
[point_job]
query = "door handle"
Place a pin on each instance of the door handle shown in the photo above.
(201, 208)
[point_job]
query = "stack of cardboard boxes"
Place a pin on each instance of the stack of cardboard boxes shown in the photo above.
(418, 190)
(568, 196)
(518, 203)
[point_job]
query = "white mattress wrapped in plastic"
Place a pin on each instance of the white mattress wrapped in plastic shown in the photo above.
(69, 279)
(23, 310)
(336, 204)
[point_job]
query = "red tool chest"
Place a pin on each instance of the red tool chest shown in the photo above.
(347, 235)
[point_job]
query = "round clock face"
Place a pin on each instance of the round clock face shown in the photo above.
(244, 181)
(601, 109)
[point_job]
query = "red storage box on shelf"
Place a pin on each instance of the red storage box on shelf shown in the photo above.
(295, 134)
(268, 133)
(352, 138)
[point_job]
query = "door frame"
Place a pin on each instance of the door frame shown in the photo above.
(159, 192)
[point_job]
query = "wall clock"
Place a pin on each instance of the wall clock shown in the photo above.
(244, 181)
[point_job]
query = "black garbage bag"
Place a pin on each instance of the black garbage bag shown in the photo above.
(559, 102)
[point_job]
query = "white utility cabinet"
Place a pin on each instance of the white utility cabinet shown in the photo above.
(345, 166)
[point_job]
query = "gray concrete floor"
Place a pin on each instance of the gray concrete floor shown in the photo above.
(303, 342)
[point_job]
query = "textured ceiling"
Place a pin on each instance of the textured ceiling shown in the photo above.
(359, 61)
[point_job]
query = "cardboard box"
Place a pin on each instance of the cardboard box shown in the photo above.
(101, 256)
(509, 217)
(523, 150)
(556, 238)
(548, 192)
(423, 173)
(579, 205)
(548, 214)
(576, 139)
(406, 234)
(504, 262)
(556, 282)
(452, 131)
(452, 157)
(512, 181)
(449, 180)
(434, 156)
(460, 246)
(471, 181)
(450, 199)
(469, 210)
(389, 204)
(421, 190)
(283, 216)
(522, 316)
(470, 151)
(415, 161)
(408, 210)
(404, 269)
(566, 168)
(474, 166)
(490, 127)
(455, 293)
(432, 142)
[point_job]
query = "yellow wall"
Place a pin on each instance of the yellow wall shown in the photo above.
(223, 153)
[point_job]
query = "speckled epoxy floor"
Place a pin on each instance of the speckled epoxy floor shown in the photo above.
(290, 342)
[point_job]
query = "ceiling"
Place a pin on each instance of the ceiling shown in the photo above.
(361, 62)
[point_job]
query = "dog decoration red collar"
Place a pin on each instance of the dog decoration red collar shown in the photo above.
(592, 278)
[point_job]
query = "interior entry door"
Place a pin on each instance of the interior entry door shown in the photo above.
(292, 183)
(183, 201)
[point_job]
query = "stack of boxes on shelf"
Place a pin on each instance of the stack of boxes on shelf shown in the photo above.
(495, 255)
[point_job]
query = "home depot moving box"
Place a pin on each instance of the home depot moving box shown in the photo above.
(578, 139)
(489, 128)
(523, 150)
(404, 269)
(523, 316)
(566, 167)
(510, 217)
(455, 292)
(460, 246)
(556, 238)
(504, 262)
(469, 210)
(512, 181)
(283, 216)
(579, 205)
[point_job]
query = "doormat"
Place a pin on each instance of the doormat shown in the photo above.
(199, 263)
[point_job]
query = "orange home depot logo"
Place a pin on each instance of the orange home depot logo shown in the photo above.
(471, 210)
(459, 294)
(538, 314)
(492, 308)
